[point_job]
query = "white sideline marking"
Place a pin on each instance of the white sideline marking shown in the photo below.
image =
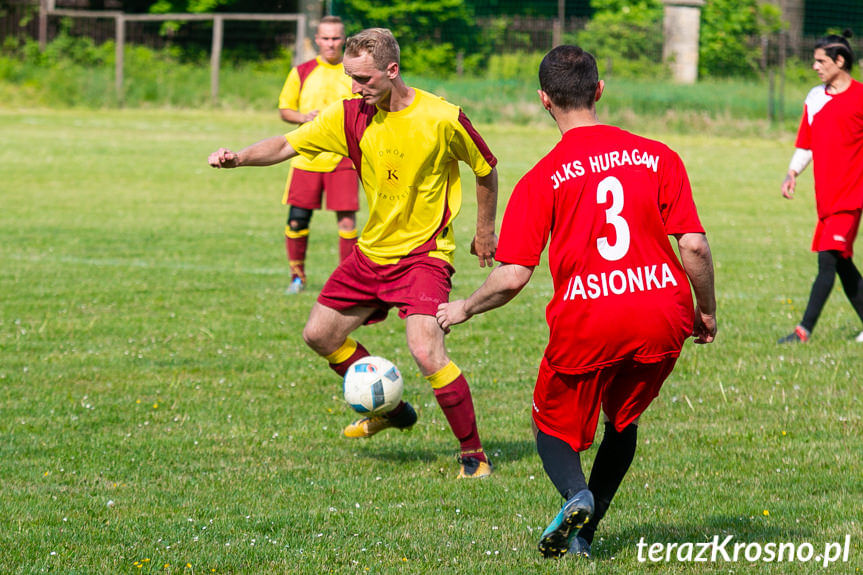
(143, 264)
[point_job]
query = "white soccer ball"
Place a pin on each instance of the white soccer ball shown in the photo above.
(373, 385)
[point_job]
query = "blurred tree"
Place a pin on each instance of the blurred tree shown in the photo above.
(726, 29)
(547, 8)
(434, 35)
(203, 6)
(731, 31)
(625, 36)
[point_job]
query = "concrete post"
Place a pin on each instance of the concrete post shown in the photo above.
(681, 27)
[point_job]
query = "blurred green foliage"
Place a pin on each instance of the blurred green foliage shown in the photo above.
(72, 72)
(431, 33)
(625, 37)
(442, 38)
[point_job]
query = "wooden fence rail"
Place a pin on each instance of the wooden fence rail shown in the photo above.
(120, 19)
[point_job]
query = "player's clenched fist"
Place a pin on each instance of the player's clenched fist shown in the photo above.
(224, 158)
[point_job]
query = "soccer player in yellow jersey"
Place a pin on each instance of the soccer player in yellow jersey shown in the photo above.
(406, 145)
(309, 88)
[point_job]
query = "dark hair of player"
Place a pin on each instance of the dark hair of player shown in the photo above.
(569, 76)
(379, 43)
(835, 45)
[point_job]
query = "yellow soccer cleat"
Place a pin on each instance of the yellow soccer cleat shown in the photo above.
(367, 426)
(473, 468)
(403, 417)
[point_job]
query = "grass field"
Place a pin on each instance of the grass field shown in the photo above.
(160, 413)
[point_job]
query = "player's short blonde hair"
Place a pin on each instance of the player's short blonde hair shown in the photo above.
(379, 43)
(331, 20)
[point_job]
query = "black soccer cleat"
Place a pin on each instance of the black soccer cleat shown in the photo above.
(799, 335)
(579, 547)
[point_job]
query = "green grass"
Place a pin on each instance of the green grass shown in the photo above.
(159, 408)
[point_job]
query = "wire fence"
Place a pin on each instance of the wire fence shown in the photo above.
(263, 38)
(536, 31)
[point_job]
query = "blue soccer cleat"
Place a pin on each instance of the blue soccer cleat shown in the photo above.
(297, 285)
(557, 537)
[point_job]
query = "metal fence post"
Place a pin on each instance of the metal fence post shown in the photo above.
(783, 46)
(558, 24)
(216, 57)
(119, 55)
(43, 25)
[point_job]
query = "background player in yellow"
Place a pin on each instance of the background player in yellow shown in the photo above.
(309, 88)
(406, 145)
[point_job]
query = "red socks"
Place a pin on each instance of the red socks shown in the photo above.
(296, 244)
(453, 395)
(341, 359)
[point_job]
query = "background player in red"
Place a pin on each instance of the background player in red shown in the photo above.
(831, 135)
(406, 145)
(605, 201)
(309, 88)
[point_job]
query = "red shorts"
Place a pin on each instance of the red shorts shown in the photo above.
(837, 232)
(566, 406)
(415, 285)
(305, 189)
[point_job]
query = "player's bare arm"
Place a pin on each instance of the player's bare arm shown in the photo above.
(264, 153)
(697, 261)
(484, 243)
(502, 284)
(294, 117)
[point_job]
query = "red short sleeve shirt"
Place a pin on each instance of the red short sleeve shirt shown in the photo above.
(832, 127)
(605, 202)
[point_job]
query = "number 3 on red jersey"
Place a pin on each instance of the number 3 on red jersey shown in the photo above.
(613, 252)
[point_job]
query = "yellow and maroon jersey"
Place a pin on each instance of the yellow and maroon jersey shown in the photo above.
(314, 85)
(408, 164)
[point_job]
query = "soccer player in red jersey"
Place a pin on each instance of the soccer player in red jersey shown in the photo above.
(406, 145)
(606, 202)
(309, 88)
(831, 136)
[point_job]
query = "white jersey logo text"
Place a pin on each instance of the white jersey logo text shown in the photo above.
(619, 282)
(602, 163)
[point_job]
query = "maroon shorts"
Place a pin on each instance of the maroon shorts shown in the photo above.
(306, 189)
(415, 285)
(567, 406)
(837, 232)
